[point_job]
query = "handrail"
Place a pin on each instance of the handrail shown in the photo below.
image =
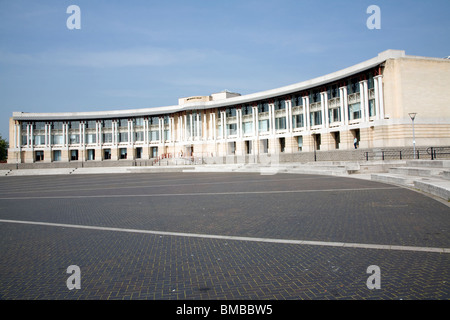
(434, 151)
(402, 153)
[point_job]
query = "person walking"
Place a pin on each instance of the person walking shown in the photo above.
(355, 142)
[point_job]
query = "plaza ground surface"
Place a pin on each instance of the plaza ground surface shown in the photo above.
(219, 236)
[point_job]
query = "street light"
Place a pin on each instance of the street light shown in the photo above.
(412, 115)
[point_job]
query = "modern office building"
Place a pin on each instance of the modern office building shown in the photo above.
(370, 101)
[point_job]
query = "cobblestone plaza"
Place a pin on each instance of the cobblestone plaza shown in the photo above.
(220, 236)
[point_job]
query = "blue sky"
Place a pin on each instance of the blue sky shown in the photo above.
(141, 54)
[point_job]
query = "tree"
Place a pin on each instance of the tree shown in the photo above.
(3, 149)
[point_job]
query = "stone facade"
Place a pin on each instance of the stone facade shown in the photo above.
(370, 101)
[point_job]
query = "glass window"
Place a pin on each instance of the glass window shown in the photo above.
(107, 154)
(297, 121)
(280, 123)
(57, 155)
(372, 111)
(107, 123)
(39, 140)
(154, 135)
(39, 125)
(73, 155)
(90, 124)
(123, 153)
(59, 139)
(139, 136)
(107, 137)
(39, 156)
(280, 105)
(232, 129)
(166, 135)
(354, 111)
(334, 115)
(263, 125)
(154, 120)
(91, 138)
(57, 125)
(246, 110)
(248, 127)
(263, 107)
(139, 122)
(123, 123)
(74, 138)
(123, 137)
(91, 154)
(316, 118)
(74, 125)
(300, 143)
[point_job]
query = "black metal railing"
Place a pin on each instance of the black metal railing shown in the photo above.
(434, 152)
(403, 154)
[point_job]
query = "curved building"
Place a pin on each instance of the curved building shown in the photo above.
(370, 101)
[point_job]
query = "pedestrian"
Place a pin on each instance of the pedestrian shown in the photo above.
(355, 142)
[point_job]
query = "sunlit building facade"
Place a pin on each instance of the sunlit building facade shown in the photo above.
(369, 101)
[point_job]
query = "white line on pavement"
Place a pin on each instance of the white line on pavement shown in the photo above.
(238, 238)
(194, 193)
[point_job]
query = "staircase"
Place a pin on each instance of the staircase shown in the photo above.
(430, 176)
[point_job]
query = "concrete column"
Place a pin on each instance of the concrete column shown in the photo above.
(341, 105)
(324, 105)
(46, 135)
(19, 136)
(306, 112)
(80, 134)
(100, 135)
(364, 100)
(343, 97)
(49, 135)
(288, 115)
(131, 134)
(379, 85)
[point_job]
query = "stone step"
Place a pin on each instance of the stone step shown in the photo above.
(428, 163)
(417, 171)
(446, 175)
(440, 188)
(393, 178)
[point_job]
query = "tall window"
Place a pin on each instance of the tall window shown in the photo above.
(316, 118)
(232, 129)
(107, 137)
(57, 139)
(263, 125)
(57, 155)
(107, 123)
(248, 127)
(280, 123)
(297, 121)
(354, 111)
(300, 143)
(74, 138)
(123, 137)
(91, 138)
(123, 123)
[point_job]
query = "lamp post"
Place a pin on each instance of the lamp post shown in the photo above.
(412, 115)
